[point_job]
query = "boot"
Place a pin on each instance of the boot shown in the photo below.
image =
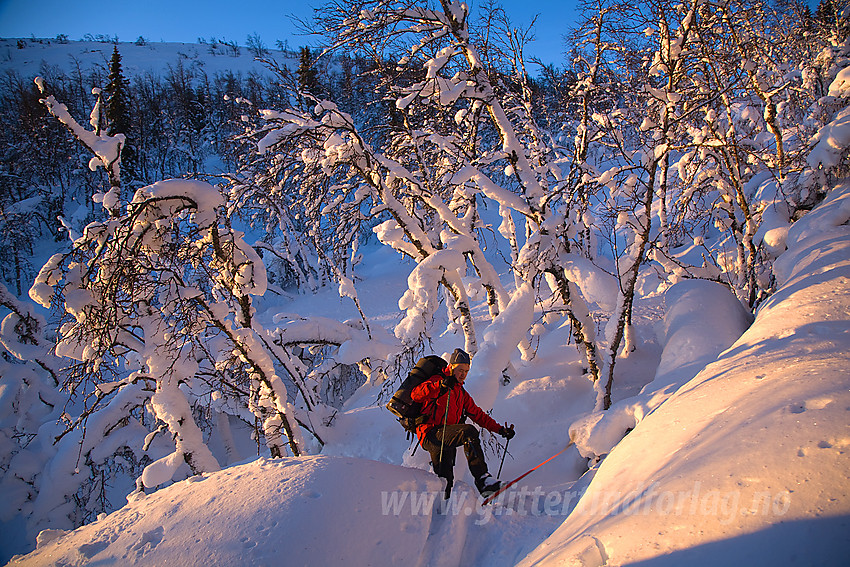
(486, 485)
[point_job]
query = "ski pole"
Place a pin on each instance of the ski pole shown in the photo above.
(443, 437)
(519, 478)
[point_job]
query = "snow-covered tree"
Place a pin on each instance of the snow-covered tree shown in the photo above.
(156, 316)
(160, 293)
(698, 148)
(677, 153)
(460, 134)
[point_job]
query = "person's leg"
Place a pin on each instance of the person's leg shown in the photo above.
(473, 451)
(442, 451)
(445, 440)
(468, 436)
(456, 435)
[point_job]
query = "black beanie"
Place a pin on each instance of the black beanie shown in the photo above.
(459, 357)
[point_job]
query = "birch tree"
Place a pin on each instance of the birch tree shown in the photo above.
(460, 135)
(160, 293)
(701, 148)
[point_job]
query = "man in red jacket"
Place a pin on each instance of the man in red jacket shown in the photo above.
(447, 405)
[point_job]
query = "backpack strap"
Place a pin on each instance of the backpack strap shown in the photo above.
(433, 411)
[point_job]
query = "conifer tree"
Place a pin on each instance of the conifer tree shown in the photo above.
(118, 113)
(307, 77)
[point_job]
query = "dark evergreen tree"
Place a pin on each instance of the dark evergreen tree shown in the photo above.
(117, 114)
(307, 76)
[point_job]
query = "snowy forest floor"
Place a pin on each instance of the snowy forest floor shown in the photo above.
(738, 460)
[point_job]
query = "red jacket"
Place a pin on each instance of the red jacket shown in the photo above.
(434, 406)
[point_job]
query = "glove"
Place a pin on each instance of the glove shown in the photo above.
(447, 384)
(507, 432)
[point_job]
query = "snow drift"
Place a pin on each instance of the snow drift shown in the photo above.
(297, 511)
(702, 319)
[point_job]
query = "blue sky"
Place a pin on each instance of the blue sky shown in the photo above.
(175, 20)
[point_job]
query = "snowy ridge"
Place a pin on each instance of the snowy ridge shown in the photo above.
(239, 516)
(747, 463)
(154, 57)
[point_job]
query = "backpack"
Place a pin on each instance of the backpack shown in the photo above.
(409, 413)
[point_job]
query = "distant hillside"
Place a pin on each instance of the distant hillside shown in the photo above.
(29, 57)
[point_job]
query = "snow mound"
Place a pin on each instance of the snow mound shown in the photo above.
(841, 85)
(702, 320)
(746, 464)
(301, 511)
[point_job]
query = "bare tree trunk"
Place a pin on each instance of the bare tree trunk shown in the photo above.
(584, 336)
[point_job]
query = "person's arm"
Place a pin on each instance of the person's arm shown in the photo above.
(478, 416)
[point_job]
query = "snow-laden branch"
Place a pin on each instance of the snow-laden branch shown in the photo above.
(106, 148)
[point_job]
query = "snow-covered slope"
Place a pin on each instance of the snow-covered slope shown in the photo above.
(36, 57)
(308, 511)
(298, 511)
(747, 464)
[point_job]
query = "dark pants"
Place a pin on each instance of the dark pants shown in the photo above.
(455, 436)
